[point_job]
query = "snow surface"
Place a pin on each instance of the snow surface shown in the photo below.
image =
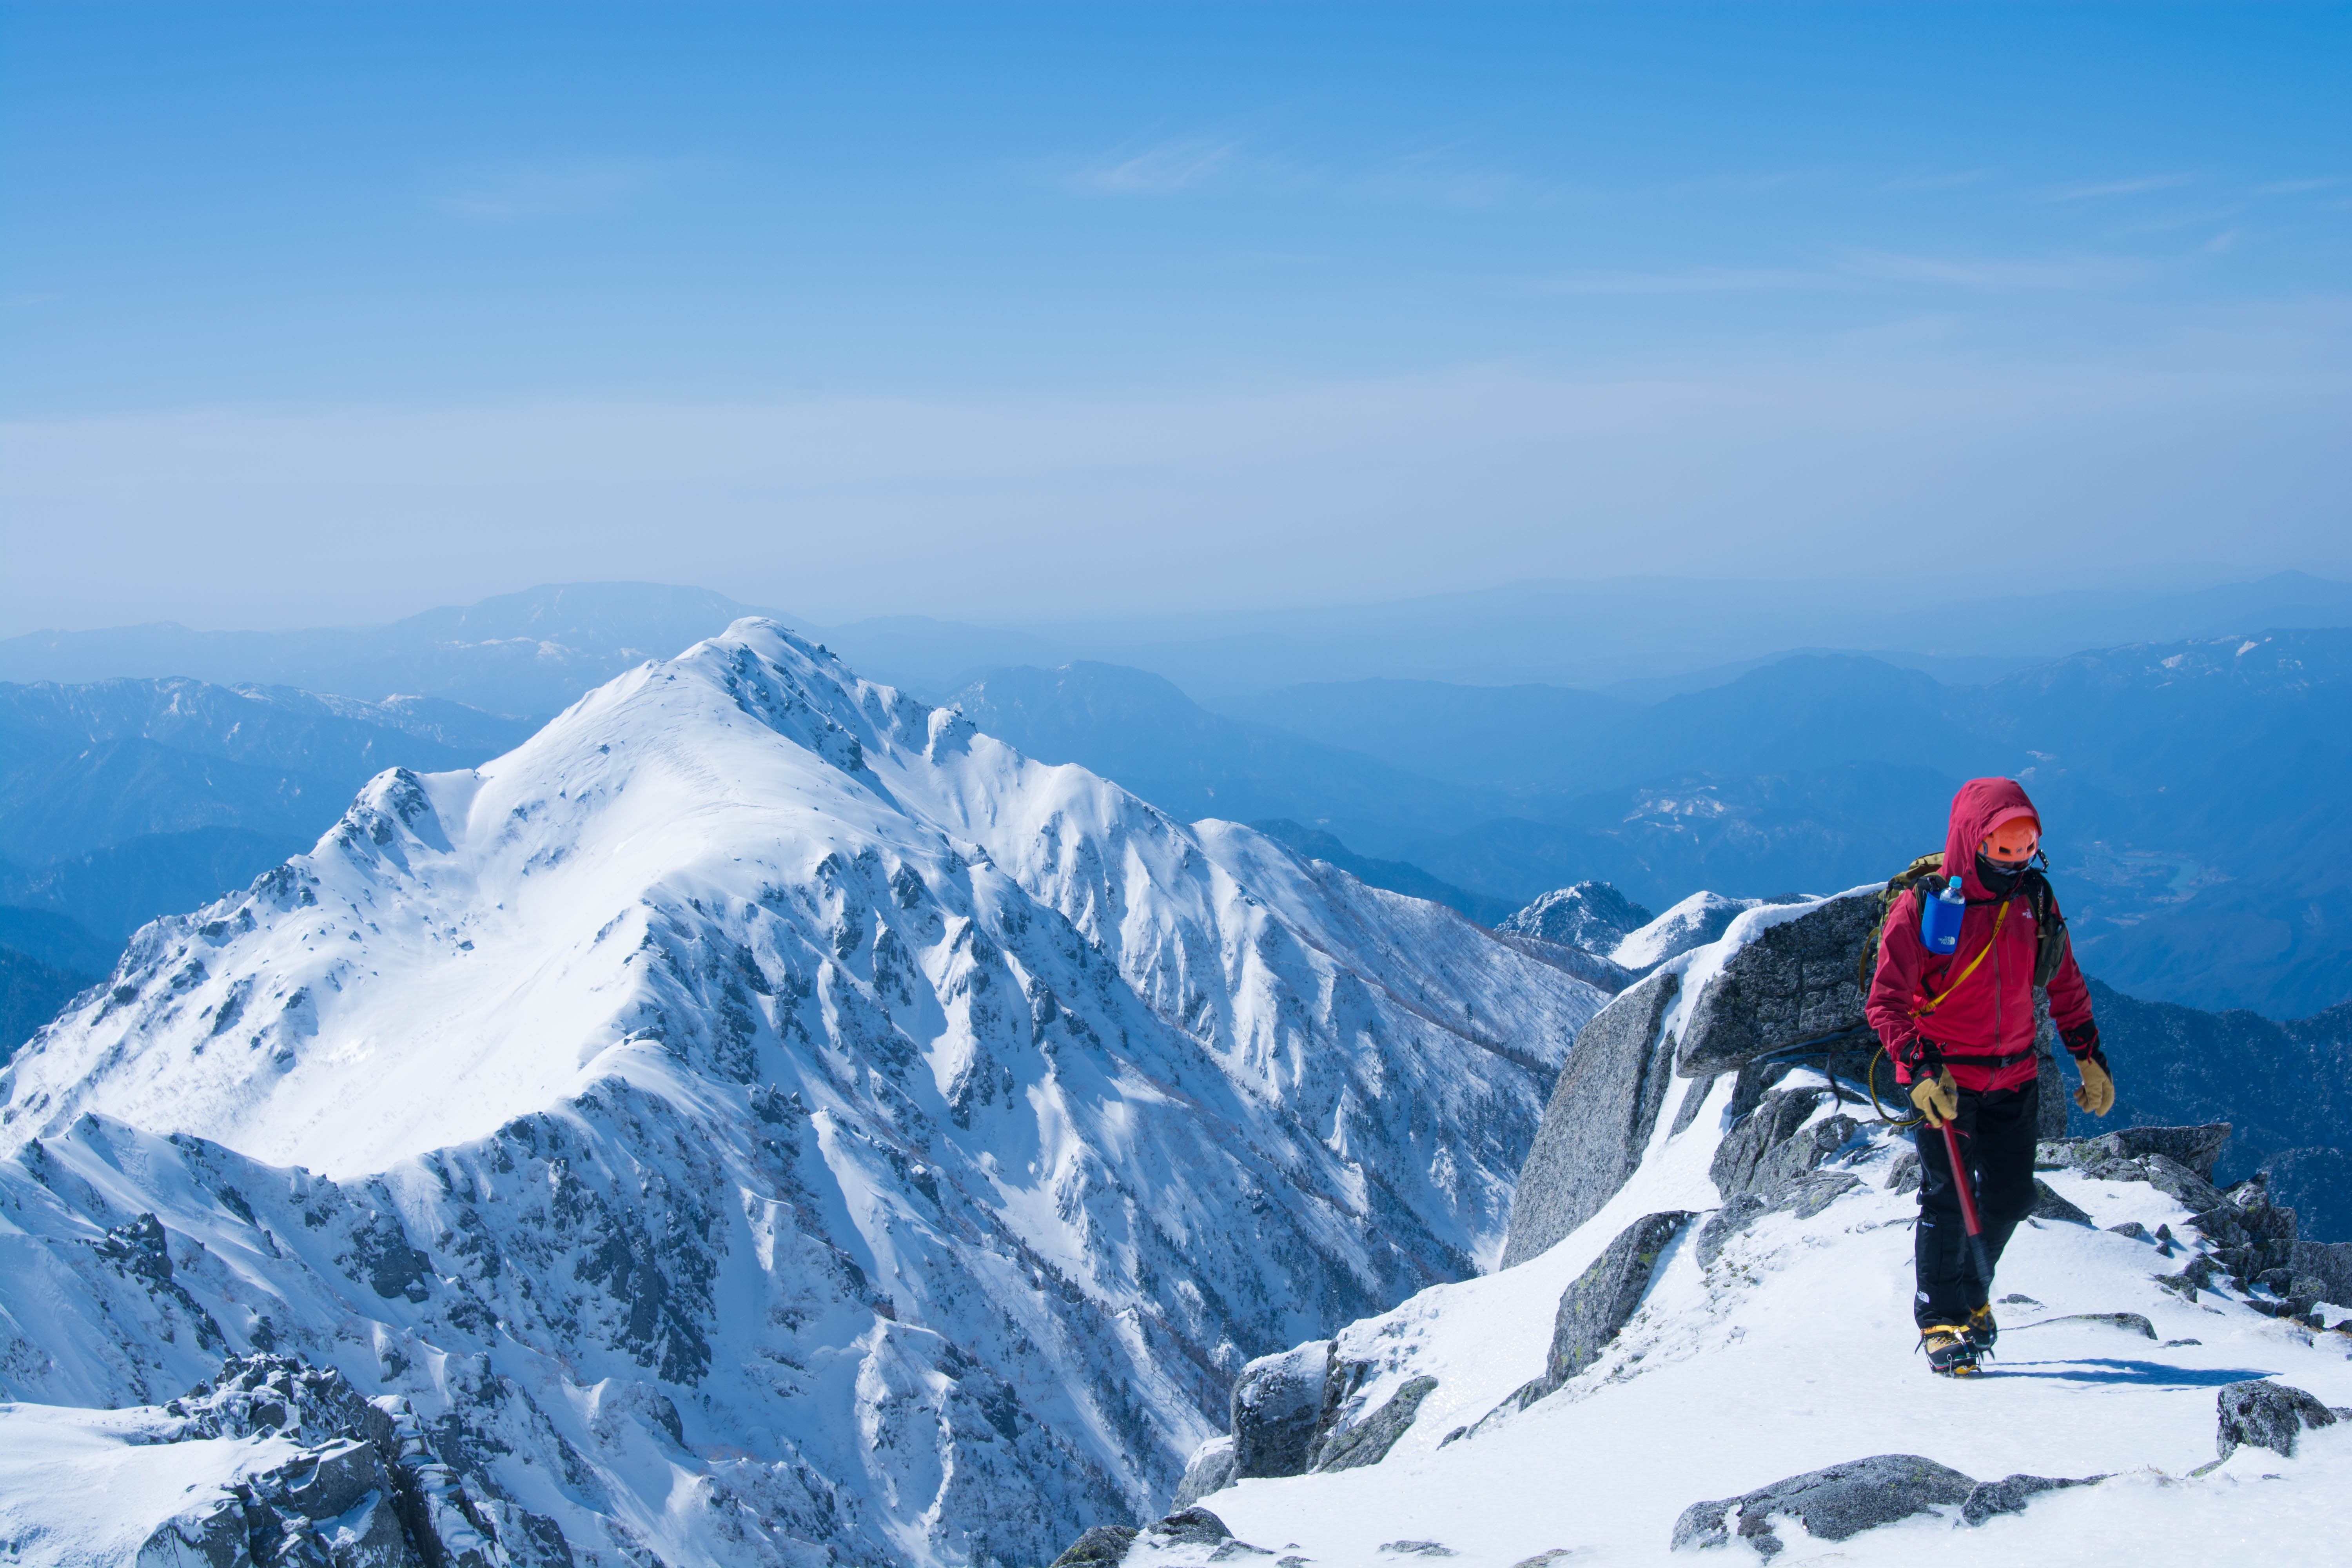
(763, 1097)
(1797, 1350)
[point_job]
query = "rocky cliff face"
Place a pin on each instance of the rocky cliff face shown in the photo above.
(763, 1119)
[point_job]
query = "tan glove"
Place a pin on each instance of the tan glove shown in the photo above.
(1937, 1098)
(2097, 1094)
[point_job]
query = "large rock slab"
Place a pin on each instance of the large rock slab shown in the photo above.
(1606, 1296)
(1367, 1442)
(1598, 1120)
(2194, 1148)
(1211, 1469)
(1793, 982)
(1834, 1504)
(1277, 1411)
(1773, 1148)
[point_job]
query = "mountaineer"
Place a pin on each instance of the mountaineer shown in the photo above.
(1957, 1018)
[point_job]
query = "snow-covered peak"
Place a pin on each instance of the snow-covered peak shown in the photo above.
(914, 1123)
(1590, 915)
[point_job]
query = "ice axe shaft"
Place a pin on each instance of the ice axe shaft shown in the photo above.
(1967, 1188)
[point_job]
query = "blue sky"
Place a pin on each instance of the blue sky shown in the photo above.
(328, 312)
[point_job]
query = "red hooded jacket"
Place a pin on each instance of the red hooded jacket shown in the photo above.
(1989, 1012)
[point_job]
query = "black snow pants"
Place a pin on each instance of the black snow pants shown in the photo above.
(1997, 1137)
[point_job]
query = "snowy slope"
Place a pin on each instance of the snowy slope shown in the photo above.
(1701, 918)
(1795, 1350)
(760, 1086)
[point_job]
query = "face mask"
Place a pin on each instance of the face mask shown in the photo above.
(1999, 880)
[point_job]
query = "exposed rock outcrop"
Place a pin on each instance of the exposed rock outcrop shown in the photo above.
(1211, 1469)
(2012, 1493)
(1367, 1442)
(1108, 1545)
(1601, 1300)
(1598, 1120)
(1791, 983)
(366, 1490)
(2264, 1414)
(1836, 1503)
(1277, 1411)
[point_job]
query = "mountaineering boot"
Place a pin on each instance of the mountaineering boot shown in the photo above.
(1949, 1353)
(1981, 1330)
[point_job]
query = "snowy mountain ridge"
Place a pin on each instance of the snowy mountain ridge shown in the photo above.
(762, 1118)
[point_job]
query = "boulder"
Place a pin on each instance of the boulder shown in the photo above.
(1104, 1546)
(1604, 1298)
(1211, 1469)
(1792, 983)
(1367, 1442)
(1773, 1148)
(2326, 1263)
(2265, 1414)
(2048, 1204)
(1726, 1223)
(1598, 1120)
(1834, 1504)
(2011, 1493)
(2194, 1149)
(1277, 1411)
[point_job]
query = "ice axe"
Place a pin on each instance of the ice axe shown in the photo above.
(1968, 1220)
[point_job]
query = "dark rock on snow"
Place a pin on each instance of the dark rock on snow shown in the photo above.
(1211, 1469)
(1604, 1298)
(1277, 1411)
(1773, 1147)
(2048, 1204)
(1794, 982)
(2265, 1414)
(1104, 1546)
(2011, 1493)
(1598, 1120)
(1367, 1442)
(1834, 1504)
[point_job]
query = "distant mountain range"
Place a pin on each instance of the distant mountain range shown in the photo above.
(534, 651)
(2189, 783)
(124, 800)
(523, 655)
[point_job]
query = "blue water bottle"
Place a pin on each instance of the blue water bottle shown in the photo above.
(1940, 917)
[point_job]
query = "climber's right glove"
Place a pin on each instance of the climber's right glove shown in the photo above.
(1937, 1098)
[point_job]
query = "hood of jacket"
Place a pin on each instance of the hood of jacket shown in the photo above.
(1982, 805)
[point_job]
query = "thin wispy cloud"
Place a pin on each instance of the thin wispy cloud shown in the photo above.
(1975, 272)
(1165, 169)
(2091, 190)
(565, 190)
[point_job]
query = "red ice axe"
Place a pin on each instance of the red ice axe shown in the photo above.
(1968, 1220)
